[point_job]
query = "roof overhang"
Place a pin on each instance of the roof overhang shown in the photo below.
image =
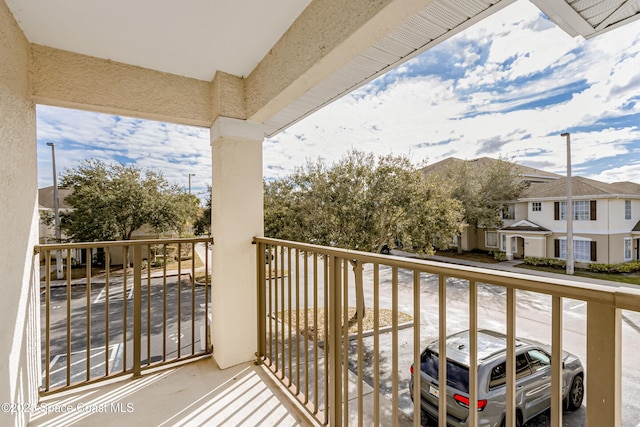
(589, 18)
(293, 58)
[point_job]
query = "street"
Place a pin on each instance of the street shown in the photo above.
(111, 344)
(533, 321)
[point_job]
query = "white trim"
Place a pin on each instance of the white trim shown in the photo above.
(565, 17)
(624, 249)
(236, 128)
(588, 239)
(497, 245)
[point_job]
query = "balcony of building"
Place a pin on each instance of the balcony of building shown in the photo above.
(246, 72)
(95, 370)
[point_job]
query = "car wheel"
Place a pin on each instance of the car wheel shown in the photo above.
(576, 393)
(518, 421)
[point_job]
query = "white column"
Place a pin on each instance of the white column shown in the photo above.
(236, 217)
(508, 250)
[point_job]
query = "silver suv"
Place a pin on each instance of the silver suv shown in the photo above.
(533, 379)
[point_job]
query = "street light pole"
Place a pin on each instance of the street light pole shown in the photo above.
(56, 211)
(569, 210)
(190, 175)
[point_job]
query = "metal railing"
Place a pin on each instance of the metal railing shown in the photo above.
(306, 300)
(120, 308)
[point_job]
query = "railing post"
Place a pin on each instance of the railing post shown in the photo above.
(137, 310)
(334, 342)
(262, 300)
(604, 345)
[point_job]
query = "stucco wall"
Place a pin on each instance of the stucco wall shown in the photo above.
(72, 80)
(19, 314)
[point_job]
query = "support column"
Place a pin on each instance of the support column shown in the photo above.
(236, 217)
(603, 379)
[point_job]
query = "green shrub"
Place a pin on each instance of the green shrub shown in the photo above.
(625, 267)
(499, 256)
(545, 262)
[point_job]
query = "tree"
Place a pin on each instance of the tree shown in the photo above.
(110, 201)
(483, 187)
(202, 225)
(362, 203)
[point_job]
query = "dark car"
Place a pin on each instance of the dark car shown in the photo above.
(533, 379)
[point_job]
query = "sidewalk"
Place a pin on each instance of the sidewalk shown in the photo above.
(513, 267)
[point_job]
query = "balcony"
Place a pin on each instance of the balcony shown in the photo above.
(307, 297)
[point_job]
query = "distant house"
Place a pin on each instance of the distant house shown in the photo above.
(606, 222)
(606, 219)
(482, 238)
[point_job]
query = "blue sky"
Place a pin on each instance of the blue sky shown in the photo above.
(508, 86)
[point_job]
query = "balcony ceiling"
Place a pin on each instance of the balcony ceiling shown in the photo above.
(196, 38)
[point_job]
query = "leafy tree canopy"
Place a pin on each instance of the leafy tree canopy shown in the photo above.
(110, 201)
(362, 202)
(483, 188)
(202, 225)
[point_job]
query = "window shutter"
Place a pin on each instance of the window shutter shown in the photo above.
(556, 211)
(592, 210)
(556, 247)
(593, 251)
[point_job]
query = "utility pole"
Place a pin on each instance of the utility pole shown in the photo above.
(56, 211)
(190, 175)
(569, 210)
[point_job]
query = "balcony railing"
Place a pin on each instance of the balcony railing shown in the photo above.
(121, 307)
(307, 295)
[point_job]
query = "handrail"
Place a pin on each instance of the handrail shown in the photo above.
(112, 243)
(111, 308)
(618, 296)
(287, 260)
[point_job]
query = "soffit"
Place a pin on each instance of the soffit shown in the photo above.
(588, 18)
(435, 23)
(191, 38)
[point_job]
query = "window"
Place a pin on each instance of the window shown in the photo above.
(581, 250)
(499, 372)
(509, 211)
(536, 206)
(538, 359)
(503, 245)
(627, 209)
(457, 375)
(491, 238)
(581, 210)
(627, 248)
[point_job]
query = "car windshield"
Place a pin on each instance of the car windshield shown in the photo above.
(457, 375)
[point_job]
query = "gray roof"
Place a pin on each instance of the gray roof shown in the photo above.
(580, 186)
(528, 173)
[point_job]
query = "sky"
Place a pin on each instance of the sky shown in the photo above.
(506, 87)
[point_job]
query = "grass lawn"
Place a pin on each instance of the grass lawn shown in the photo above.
(633, 279)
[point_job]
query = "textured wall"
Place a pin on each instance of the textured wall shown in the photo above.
(78, 81)
(19, 305)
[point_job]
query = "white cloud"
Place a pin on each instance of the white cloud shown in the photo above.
(526, 82)
(171, 149)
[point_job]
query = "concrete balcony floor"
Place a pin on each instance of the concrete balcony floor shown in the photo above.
(192, 394)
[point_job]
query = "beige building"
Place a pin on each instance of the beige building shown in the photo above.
(606, 222)
(606, 219)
